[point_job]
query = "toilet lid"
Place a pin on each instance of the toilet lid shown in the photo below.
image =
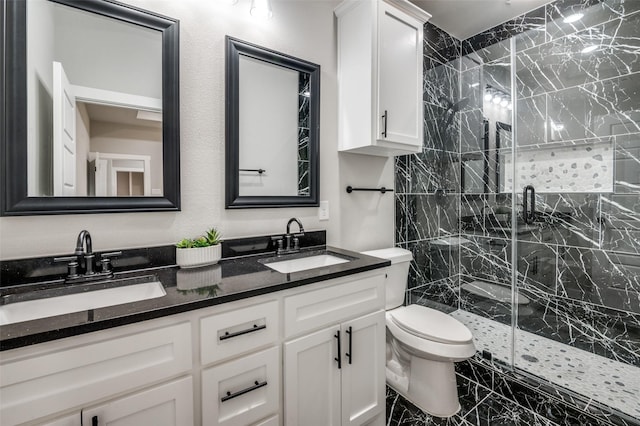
(430, 324)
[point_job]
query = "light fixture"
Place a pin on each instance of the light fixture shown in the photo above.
(590, 48)
(261, 9)
(498, 97)
(573, 18)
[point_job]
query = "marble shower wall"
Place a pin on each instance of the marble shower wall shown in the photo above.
(577, 141)
(428, 184)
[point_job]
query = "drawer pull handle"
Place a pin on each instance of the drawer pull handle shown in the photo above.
(350, 353)
(94, 421)
(256, 327)
(257, 385)
(339, 358)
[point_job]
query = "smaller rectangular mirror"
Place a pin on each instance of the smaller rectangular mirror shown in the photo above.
(272, 120)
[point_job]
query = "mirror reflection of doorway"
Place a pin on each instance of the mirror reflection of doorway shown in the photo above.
(129, 184)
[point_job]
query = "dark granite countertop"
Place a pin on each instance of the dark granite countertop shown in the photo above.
(186, 290)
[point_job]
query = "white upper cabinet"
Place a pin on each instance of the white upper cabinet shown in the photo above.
(380, 76)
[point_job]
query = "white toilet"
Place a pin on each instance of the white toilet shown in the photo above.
(422, 344)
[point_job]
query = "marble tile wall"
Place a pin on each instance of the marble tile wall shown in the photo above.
(303, 133)
(578, 264)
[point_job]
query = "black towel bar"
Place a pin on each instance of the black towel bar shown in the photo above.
(259, 171)
(350, 189)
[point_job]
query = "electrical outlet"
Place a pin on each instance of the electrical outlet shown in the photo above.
(323, 210)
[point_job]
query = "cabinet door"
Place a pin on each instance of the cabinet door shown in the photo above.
(312, 379)
(363, 375)
(399, 77)
(166, 405)
(71, 420)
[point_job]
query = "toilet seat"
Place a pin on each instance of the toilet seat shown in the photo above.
(430, 324)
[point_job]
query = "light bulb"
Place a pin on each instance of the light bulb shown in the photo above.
(573, 18)
(590, 49)
(510, 106)
(488, 97)
(497, 100)
(504, 103)
(261, 9)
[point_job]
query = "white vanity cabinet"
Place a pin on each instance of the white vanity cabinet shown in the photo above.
(229, 364)
(380, 72)
(335, 375)
(74, 373)
(170, 404)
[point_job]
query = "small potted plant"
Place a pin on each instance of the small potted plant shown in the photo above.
(199, 251)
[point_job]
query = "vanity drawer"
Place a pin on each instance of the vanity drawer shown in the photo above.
(242, 391)
(238, 331)
(62, 377)
(271, 421)
(338, 300)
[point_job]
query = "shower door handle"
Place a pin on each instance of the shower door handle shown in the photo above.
(528, 211)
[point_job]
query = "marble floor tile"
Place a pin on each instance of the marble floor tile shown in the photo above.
(495, 410)
(607, 381)
(401, 412)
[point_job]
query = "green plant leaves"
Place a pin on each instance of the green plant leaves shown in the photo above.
(211, 238)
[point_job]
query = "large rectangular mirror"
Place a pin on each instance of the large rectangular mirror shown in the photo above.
(272, 119)
(91, 122)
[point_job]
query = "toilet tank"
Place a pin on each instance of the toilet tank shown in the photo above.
(397, 274)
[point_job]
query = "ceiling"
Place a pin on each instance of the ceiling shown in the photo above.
(465, 18)
(119, 115)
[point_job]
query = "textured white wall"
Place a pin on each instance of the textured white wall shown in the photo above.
(302, 28)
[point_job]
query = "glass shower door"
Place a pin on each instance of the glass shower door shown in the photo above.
(486, 259)
(577, 254)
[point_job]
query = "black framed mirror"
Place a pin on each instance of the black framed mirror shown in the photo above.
(44, 173)
(272, 128)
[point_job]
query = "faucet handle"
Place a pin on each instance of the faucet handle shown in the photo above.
(279, 241)
(111, 254)
(72, 266)
(105, 260)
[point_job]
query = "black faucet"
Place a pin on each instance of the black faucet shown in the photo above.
(84, 253)
(84, 239)
(300, 227)
(290, 243)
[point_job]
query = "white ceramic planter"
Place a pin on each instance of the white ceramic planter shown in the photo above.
(198, 256)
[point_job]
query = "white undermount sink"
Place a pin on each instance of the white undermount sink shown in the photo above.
(78, 302)
(304, 263)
